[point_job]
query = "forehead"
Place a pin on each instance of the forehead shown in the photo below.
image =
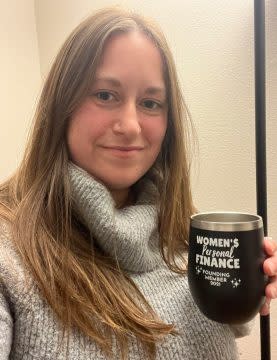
(131, 53)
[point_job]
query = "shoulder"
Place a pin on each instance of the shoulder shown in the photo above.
(7, 250)
(8, 253)
(12, 272)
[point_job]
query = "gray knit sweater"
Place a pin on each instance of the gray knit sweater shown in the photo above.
(29, 328)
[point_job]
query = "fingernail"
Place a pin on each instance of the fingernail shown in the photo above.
(266, 307)
(265, 310)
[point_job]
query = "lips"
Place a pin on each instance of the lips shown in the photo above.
(123, 152)
(124, 148)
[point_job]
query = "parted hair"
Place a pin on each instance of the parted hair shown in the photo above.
(86, 289)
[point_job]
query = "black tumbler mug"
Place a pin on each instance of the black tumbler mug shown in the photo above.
(225, 260)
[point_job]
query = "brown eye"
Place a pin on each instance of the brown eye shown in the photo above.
(151, 105)
(104, 95)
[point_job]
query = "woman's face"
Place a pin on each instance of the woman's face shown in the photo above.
(117, 132)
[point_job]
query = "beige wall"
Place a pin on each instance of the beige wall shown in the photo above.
(212, 42)
(20, 79)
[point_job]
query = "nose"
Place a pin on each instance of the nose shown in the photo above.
(127, 122)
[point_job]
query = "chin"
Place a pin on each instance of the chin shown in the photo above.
(120, 184)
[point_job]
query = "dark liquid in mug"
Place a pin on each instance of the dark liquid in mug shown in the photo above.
(225, 273)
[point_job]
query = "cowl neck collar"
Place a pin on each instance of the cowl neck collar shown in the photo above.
(128, 234)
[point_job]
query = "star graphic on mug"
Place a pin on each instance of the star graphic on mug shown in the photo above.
(198, 270)
(235, 282)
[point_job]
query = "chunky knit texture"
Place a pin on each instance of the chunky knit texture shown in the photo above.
(30, 330)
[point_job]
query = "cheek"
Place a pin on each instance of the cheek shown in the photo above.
(156, 131)
(86, 127)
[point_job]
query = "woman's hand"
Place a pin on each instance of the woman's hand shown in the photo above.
(270, 269)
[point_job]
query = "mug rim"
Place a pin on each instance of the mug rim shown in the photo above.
(205, 221)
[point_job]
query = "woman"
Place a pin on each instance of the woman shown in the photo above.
(95, 220)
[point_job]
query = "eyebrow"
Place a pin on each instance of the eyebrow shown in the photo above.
(152, 90)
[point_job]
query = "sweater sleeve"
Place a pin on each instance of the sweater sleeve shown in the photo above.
(6, 327)
(241, 330)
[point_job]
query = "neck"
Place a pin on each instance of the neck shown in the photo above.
(122, 197)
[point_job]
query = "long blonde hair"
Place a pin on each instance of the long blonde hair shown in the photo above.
(86, 289)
